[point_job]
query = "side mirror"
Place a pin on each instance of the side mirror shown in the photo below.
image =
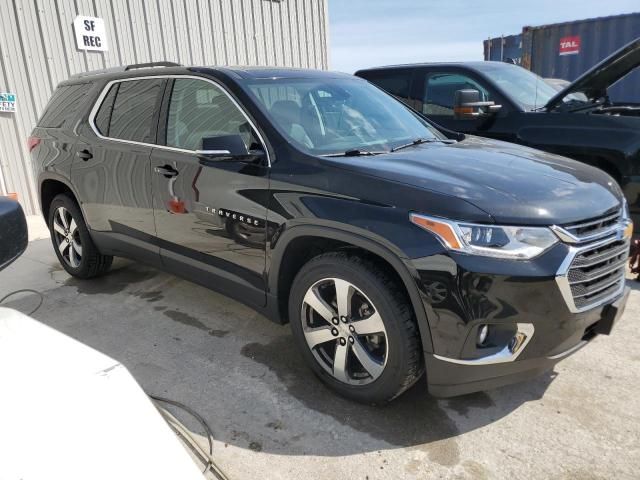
(14, 236)
(467, 105)
(223, 147)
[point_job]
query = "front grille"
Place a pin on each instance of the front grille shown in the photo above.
(596, 273)
(594, 227)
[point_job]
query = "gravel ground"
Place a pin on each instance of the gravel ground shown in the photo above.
(272, 419)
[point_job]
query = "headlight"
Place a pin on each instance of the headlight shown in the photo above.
(489, 240)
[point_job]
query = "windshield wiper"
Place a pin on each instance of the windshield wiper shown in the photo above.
(355, 152)
(417, 141)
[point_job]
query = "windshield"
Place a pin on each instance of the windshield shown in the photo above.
(523, 86)
(325, 116)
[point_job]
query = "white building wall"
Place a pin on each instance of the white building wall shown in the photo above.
(38, 50)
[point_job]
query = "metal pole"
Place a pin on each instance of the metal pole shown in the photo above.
(502, 48)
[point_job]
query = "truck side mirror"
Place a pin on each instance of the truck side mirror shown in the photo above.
(467, 105)
(14, 236)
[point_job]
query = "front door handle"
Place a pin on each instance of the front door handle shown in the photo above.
(167, 170)
(84, 155)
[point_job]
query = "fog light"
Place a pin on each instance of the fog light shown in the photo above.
(483, 333)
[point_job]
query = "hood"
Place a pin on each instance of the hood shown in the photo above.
(515, 185)
(594, 82)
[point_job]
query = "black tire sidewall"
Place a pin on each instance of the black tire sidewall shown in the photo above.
(88, 248)
(392, 379)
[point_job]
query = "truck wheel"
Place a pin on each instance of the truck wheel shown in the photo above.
(356, 328)
(71, 240)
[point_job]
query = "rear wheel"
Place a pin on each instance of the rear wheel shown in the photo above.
(71, 240)
(356, 328)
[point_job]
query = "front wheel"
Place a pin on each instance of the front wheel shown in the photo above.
(72, 242)
(356, 328)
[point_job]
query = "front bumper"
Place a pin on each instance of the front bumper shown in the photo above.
(448, 378)
(461, 293)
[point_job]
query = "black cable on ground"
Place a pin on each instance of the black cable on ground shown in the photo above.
(182, 432)
(26, 290)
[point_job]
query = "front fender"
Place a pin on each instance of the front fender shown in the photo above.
(365, 240)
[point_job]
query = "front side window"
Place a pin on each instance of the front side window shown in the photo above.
(200, 109)
(440, 90)
(325, 116)
(134, 110)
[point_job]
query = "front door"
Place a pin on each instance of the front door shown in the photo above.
(437, 90)
(209, 214)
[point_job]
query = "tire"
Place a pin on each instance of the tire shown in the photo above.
(72, 242)
(394, 361)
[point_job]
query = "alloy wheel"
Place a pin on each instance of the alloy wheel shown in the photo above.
(344, 331)
(67, 237)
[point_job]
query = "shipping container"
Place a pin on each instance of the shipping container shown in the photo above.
(566, 50)
(504, 49)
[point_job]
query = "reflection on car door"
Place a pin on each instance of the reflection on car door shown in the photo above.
(209, 214)
(113, 172)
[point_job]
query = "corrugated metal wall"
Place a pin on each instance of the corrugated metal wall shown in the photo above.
(37, 50)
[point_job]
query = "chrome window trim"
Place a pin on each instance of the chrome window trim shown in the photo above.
(503, 356)
(105, 90)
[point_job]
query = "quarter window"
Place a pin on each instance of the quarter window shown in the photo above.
(103, 117)
(199, 109)
(61, 109)
(440, 92)
(133, 110)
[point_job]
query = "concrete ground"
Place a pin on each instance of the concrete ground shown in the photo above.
(272, 419)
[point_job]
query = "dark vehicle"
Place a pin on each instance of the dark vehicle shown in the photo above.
(507, 102)
(391, 247)
(13, 231)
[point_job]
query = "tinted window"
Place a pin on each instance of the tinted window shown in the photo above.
(440, 91)
(397, 83)
(63, 106)
(199, 109)
(133, 110)
(103, 117)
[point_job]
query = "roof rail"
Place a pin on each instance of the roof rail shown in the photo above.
(125, 68)
(151, 65)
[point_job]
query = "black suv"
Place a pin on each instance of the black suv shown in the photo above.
(507, 102)
(390, 246)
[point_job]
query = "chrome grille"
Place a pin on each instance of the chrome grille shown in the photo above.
(595, 273)
(594, 227)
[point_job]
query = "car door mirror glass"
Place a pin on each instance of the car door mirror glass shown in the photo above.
(13, 231)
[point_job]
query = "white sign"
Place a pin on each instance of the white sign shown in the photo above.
(7, 102)
(90, 33)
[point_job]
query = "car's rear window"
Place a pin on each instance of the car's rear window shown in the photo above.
(63, 106)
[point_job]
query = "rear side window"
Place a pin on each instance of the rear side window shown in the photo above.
(395, 82)
(133, 112)
(103, 117)
(63, 106)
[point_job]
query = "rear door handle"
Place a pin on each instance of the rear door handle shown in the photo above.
(167, 170)
(85, 155)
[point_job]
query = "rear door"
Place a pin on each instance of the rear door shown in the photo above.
(210, 214)
(112, 171)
